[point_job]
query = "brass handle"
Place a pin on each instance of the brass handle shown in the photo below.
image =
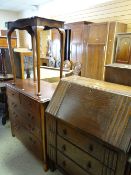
(89, 165)
(91, 147)
(64, 163)
(64, 131)
(63, 147)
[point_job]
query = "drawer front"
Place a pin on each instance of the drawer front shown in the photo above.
(80, 157)
(30, 141)
(31, 127)
(14, 95)
(29, 104)
(82, 141)
(69, 166)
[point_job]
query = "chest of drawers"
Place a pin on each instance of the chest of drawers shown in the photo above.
(26, 112)
(86, 135)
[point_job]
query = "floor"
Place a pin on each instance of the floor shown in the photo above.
(15, 159)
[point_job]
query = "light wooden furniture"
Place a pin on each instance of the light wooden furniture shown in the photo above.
(99, 46)
(89, 128)
(118, 73)
(27, 114)
(24, 61)
(123, 48)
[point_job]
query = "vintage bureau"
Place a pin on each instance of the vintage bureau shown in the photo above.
(26, 113)
(88, 125)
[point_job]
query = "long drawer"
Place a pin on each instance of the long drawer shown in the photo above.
(14, 95)
(29, 140)
(30, 104)
(69, 166)
(95, 149)
(31, 127)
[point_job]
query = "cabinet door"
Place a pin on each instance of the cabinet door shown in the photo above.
(95, 61)
(98, 33)
(76, 44)
(123, 49)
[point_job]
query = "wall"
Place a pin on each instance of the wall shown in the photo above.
(7, 16)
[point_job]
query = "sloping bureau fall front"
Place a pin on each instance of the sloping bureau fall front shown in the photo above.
(88, 124)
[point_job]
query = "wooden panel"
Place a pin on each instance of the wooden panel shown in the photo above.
(118, 73)
(123, 50)
(95, 61)
(3, 42)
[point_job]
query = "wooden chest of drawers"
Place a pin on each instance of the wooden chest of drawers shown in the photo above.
(27, 118)
(88, 128)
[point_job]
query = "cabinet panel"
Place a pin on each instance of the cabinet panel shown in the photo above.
(123, 49)
(95, 61)
(98, 33)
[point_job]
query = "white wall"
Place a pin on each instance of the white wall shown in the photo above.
(6, 16)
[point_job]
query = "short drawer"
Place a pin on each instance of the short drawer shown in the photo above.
(81, 140)
(14, 95)
(83, 159)
(29, 140)
(29, 103)
(69, 166)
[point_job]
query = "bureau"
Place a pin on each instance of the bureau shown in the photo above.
(88, 128)
(26, 113)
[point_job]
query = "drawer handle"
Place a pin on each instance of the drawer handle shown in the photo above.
(64, 131)
(91, 148)
(89, 165)
(64, 148)
(64, 163)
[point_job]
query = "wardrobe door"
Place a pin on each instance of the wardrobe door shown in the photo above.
(123, 49)
(95, 62)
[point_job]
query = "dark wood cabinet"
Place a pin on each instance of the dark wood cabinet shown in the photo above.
(100, 48)
(123, 48)
(88, 128)
(79, 34)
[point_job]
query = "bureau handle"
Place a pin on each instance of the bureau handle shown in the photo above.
(64, 163)
(89, 165)
(63, 147)
(91, 148)
(64, 131)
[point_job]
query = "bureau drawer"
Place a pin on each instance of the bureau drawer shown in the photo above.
(83, 159)
(29, 140)
(14, 95)
(81, 140)
(29, 104)
(69, 166)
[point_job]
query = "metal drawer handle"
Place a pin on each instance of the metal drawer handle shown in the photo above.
(64, 131)
(91, 147)
(89, 165)
(64, 163)
(63, 147)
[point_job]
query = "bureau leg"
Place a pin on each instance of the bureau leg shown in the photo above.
(45, 167)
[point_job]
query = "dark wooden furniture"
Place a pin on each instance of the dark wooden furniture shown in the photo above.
(27, 114)
(34, 26)
(88, 126)
(79, 34)
(118, 73)
(100, 48)
(123, 48)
